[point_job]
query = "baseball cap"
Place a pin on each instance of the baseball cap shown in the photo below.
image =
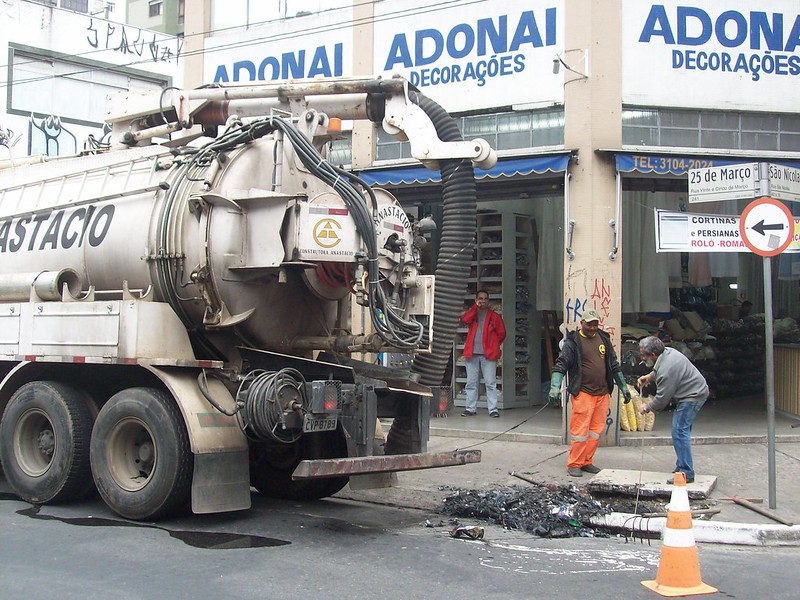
(590, 315)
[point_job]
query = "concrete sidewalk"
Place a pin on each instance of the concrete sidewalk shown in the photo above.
(739, 467)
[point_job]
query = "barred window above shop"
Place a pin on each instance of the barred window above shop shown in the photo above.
(74, 90)
(710, 129)
(81, 6)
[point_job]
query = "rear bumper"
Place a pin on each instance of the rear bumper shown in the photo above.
(338, 467)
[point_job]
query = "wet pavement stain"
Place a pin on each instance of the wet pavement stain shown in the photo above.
(209, 540)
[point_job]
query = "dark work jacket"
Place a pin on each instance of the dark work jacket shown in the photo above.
(569, 361)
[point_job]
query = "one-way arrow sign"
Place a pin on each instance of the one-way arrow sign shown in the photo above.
(760, 227)
(773, 223)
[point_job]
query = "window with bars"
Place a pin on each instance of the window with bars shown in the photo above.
(504, 131)
(710, 129)
(81, 6)
(74, 90)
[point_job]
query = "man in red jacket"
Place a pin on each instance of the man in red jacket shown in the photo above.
(481, 352)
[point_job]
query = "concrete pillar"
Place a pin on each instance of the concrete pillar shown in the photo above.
(592, 112)
(197, 23)
(363, 131)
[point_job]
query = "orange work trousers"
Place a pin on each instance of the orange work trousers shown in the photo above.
(585, 426)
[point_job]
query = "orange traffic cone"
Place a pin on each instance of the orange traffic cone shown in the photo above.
(678, 568)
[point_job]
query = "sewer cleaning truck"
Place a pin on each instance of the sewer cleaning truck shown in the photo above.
(177, 304)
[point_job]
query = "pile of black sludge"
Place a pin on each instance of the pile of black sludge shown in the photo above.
(546, 511)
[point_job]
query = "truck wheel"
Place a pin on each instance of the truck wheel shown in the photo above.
(271, 467)
(141, 460)
(46, 427)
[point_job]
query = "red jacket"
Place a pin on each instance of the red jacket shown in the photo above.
(494, 332)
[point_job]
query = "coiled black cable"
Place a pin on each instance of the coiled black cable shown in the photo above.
(259, 394)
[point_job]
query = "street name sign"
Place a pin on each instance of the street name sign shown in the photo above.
(744, 181)
(731, 182)
(784, 183)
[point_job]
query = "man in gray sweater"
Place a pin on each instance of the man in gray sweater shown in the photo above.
(676, 378)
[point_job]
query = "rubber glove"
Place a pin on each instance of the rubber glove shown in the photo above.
(623, 386)
(554, 394)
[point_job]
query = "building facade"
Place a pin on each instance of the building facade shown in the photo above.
(598, 110)
(166, 16)
(61, 66)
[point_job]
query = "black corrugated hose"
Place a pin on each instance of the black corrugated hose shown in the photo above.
(452, 267)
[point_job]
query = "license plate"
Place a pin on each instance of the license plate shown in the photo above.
(312, 424)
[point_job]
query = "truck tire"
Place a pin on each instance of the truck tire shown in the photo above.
(271, 467)
(140, 455)
(46, 428)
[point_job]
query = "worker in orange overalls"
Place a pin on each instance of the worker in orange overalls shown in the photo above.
(590, 363)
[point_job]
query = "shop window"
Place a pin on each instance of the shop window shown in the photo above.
(710, 129)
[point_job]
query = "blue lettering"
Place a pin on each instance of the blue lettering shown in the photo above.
(793, 41)
(221, 76)
(319, 63)
(438, 44)
(695, 27)
(684, 14)
(398, 53)
(245, 65)
(657, 24)
(273, 63)
(721, 27)
(759, 26)
(293, 65)
(550, 26)
(487, 30)
(527, 32)
(469, 41)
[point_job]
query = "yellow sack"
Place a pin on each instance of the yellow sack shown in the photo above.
(640, 418)
(623, 418)
(632, 416)
(649, 421)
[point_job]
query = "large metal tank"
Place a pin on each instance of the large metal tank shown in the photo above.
(225, 243)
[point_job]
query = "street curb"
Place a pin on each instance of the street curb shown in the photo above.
(707, 532)
(630, 439)
(530, 438)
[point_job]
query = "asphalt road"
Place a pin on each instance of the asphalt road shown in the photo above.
(336, 549)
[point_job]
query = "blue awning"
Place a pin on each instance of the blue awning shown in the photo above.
(678, 165)
(538, 165)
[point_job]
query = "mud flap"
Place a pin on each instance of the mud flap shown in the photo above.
(221, 482)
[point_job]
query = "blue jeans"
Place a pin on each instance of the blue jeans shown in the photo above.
(477, 365)
(682, 422)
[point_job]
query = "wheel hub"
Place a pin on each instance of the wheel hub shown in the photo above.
(46, 442)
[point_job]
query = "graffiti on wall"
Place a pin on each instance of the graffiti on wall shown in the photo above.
(49, 137)
(8, 139)
(585, 293)
(104, 35)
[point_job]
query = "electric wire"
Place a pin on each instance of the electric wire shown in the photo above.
(274, 38)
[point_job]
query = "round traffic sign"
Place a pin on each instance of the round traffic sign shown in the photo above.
(766, 226)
